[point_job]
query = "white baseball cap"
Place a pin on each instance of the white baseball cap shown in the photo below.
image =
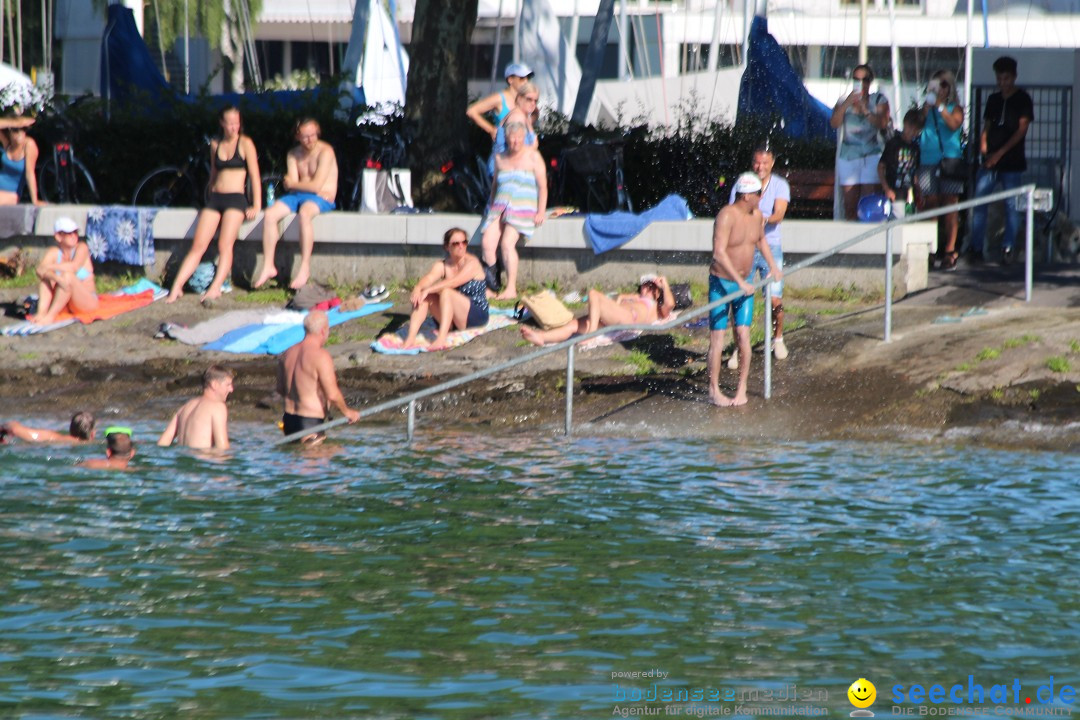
(748, 182)
(65, 225)
(518, 70)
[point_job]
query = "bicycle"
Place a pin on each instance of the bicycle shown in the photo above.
(592, 175)
(387, 149)
(466, 174)
(177, 186)
(62, 178)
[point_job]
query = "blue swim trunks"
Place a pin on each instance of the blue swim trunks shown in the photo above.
(760, 269)
(744, 305)
(294, 200)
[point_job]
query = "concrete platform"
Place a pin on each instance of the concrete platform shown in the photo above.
(352, 247)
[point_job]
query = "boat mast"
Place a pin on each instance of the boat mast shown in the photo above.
(967, 67)
(894, 60)
(864, 54)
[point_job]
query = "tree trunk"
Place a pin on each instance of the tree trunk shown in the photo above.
(437, 95)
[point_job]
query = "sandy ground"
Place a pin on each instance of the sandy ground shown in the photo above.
(1008, 376)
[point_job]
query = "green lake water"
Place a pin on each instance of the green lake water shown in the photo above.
(519, 577)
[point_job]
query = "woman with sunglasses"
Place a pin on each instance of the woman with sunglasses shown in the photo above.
(862, 117)
(943, 124)
(453, 292)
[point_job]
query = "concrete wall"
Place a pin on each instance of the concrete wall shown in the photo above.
(354, 247)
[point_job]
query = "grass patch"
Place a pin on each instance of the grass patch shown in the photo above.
(109, 283)
(29, 356)
(1034, 394)
(640, 362)
(1058, 364)
(681, 339)
(1021, 341)
(1074, 346)
(964, 367)
(988, 354)
(25, 281)
(264, 296)
(849, 294)
(997, 394)
(333, 339)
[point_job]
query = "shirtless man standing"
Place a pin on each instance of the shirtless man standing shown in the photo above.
(739, 229)
(202, 422)
(311, 178)
(307, 381)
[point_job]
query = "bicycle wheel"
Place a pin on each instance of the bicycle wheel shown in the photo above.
(76, 188)
(167, 186)
(467, 192)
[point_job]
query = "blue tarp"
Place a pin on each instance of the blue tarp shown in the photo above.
(129, 75)
(127, 70)
(771, 89)
(607, 232)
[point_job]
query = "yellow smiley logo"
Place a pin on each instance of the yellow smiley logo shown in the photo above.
(862, 693)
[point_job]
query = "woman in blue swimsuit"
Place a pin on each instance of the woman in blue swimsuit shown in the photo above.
(67, 276)
(500, 103)
(234, 165)
(453, 292)
(18, 161)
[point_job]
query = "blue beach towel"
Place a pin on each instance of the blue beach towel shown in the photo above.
(277, 338)
(121, 233)
(607, 232)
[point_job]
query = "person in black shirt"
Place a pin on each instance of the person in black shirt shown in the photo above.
(1009, 113)
(899, 159)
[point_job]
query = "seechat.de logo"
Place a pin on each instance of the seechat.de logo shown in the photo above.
(862, 695)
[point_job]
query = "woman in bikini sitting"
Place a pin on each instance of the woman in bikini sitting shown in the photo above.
(233, 165)
(67, 276)
(453, 292)
(18, 161)
(653, 302)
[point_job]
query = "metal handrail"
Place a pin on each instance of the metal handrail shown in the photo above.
(569, 345)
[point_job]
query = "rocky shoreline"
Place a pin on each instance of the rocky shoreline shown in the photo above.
(1009, 377)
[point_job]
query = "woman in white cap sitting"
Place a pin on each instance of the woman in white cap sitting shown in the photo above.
(67, 275)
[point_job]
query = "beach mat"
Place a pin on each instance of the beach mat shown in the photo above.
(132, 297)
(273, 339)
(390, 344)
(621, 336)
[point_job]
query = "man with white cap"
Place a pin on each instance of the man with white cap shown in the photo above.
(775, 196)
(738, 231)
(502, 102)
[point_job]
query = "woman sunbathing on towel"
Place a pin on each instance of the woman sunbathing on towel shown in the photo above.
(653, 302)
(453, 292)
(67, 276)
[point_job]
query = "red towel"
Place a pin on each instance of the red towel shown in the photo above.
(110, 306)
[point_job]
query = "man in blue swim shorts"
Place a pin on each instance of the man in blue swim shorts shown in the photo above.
(738, 231)
(311, 178)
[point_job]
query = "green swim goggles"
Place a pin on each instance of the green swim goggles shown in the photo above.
(118, 429)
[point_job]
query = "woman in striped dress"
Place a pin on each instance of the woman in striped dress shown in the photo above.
(517, 206)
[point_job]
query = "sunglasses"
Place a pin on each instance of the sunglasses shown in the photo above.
(458, 242)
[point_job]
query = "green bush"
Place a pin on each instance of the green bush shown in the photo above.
(695, 158)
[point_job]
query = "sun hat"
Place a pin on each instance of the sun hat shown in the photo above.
(748, 182)
(65, 225)
(518, 70)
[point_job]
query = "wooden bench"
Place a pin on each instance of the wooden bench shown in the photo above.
(811, 193)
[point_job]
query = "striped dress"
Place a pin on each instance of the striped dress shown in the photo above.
(515, 201)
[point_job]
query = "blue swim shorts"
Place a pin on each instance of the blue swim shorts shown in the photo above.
(760, 269)
(744, 305)
(294, 200)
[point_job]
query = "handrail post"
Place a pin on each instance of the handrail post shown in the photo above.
(1029, 244)
(888, 285)
(569, 424)
(767, 294)
(410, 425)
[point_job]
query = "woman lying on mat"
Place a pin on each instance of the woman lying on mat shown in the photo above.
(653, 302)
(67, 276)
(453, 292)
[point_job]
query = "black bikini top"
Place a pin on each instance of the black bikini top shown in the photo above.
(234, 163)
